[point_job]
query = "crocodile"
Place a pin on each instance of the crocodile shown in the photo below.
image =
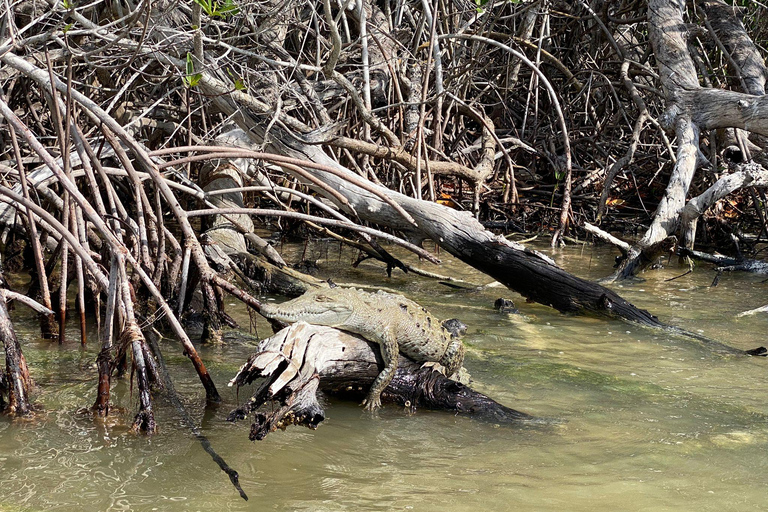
(396, 323)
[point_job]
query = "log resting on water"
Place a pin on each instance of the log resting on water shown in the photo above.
(302, 358)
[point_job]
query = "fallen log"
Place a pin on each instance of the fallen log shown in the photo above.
(525, 271)
(302, 359)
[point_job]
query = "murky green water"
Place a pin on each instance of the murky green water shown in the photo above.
(650, 422)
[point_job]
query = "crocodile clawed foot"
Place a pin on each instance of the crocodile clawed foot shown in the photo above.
(372, 403)
(437, 367)
(462, 376)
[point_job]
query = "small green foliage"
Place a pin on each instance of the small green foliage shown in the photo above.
(68, 4)
(192, 78)
(239, 83)
(68, 27)
(229, 8)
(214, 8)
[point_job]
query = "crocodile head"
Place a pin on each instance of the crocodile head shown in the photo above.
(314, 307)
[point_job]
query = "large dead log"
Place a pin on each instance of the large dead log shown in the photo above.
(302, 358)
(528, 272)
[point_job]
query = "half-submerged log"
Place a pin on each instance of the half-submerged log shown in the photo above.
(525, 271)
(302, 358)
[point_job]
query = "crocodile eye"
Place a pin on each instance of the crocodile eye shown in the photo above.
(323, 298)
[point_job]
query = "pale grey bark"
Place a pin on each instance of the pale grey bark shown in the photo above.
(690, 109)
(750, 175)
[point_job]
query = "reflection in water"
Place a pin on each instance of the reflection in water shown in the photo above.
(651, 422)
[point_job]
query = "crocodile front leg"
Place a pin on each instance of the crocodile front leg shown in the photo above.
(453, 357)
(389, 353)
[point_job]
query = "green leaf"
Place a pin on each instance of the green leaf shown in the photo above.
(206, 5)
(192, 78)
(239, 83)
(214, 8)
(228, 8)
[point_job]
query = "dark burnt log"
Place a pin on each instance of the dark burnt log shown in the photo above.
(417, 387)
(541, 281)
(302, 359)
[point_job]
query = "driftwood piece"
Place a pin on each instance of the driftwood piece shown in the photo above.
(604, 235)
(302, 358)
(750, 174)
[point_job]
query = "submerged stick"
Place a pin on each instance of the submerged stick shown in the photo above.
(173, 396)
